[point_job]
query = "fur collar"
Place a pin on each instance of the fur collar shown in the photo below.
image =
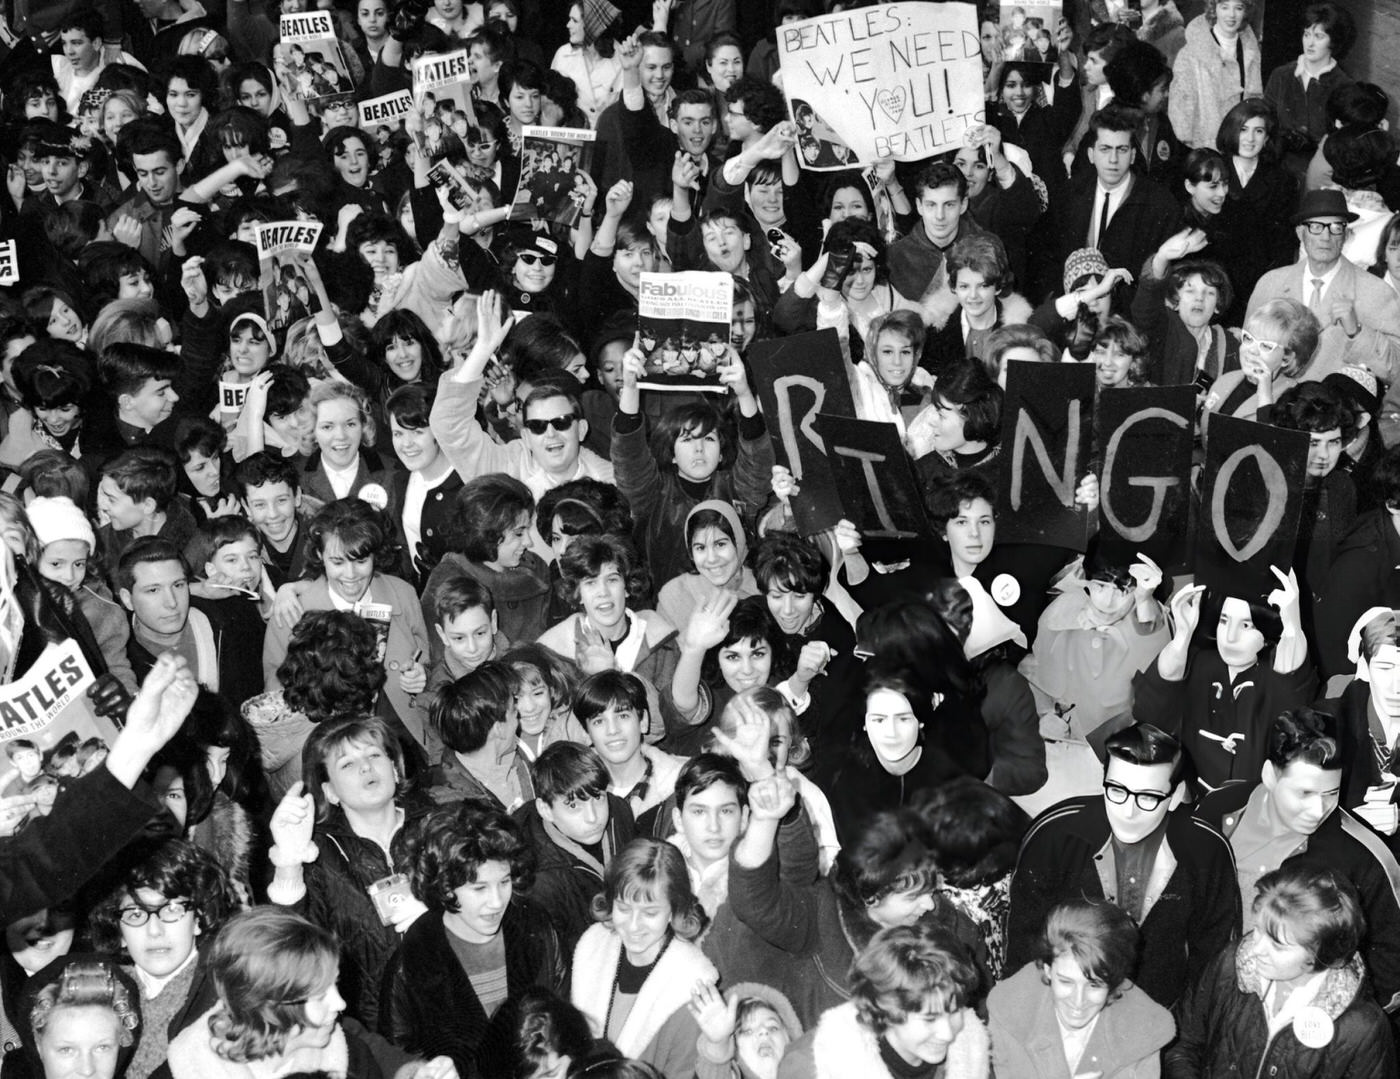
(665, 992)
(1338, 990)
(939, 305)
(844, 1047)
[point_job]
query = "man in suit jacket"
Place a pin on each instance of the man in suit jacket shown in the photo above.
(1125, 215)
(1360, 314)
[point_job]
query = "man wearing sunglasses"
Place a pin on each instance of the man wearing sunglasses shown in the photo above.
(1132, 846)
(1360, 314)
(552, 428)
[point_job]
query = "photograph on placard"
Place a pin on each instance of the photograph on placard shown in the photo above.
(314, 60)
(553, 172)
(683, 322)
(1028, 31)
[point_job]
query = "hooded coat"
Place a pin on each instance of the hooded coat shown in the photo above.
(680, 596)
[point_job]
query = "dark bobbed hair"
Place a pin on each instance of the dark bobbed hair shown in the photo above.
(586, 557)
(464, 711)
(786, 561)
(698, 418)
(361, 529)
(533, 662)
(610, 689)
(968, 387)
(403, 324)
(483, 511)
(547, 1027)
(1212, 273)
(331, 669)
(176, 869)
(976, 831)
(890, 855)
(1336, 23)
(1227, 138)
(567, 771)
(448, 847)
(585, 507)
(1314, 407)
(750, 622)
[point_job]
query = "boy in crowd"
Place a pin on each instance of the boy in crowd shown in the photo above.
(466, 625)
(266, 485)
(135, 498)
(575, 827)
(611, 706)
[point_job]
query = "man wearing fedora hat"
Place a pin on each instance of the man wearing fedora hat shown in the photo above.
(1360, 314)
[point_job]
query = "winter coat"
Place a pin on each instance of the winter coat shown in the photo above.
(661, 500)
(1365, 572)
(650, 651)
(431, 1008)
(1206, 82)
(337, 899)
(111, 628)
(1352, 850)
(1127, 1039)
(567, 877)
(659, 1028)
(817, 934)
(1191, 904)
(842, 1047)
(1206, 700)
(520, 595)
(1223, 1030)
(372, 477)
(408, 637)
(1172, 350)
(353, 1052)
(1165, 30)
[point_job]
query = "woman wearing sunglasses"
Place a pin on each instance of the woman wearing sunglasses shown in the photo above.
(1277, 346)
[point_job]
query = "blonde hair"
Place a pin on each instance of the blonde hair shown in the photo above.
(337, 390)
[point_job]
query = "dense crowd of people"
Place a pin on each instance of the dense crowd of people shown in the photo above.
(456, 704)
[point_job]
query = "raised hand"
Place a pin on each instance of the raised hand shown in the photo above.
(708, 623)
(157, 711)
(591, 652)
(751, 743)
(1146, 574)
(192, 280)
(491, 325)
(293, 823)
(1186, 610)
(618, 198)
(127, 230)
(772, 798)
(715, 1016)
(784, 485)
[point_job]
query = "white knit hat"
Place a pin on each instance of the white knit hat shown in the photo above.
(57, 519)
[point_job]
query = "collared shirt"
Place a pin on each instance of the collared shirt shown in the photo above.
(341, 479)
(1260, 844)
(1115, 200)
(1133, 864)
(1326, 278)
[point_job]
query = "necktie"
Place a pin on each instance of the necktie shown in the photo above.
(1103, 222)
(1315, 301)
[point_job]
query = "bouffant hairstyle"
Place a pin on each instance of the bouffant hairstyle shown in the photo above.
(1211, 273)
(891, 855)
(338, 390)
(914, 634)
(1101, 939)
(695, 420)
(1135, 71)
(1295, 327)
(330, 739)
(267, 963)
(1312, 906)
(751, 623)
(969, 389)
(585, 507)
(176, 869)
(484, 511)
(1336, 22)
(358, 527)
(448, 847)
(1119, 331)
(983, 254)
(1314, 407)
(945, 500)
(652, 871)
(536, 665)
(587, 556)
(784, 561)
(976, 831)
(905, 968)
(332, 666)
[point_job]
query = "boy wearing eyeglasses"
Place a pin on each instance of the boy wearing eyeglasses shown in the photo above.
(1134, 847)
(162, 909)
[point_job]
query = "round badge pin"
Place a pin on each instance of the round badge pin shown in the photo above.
(1313, 1027)
(1005, 589)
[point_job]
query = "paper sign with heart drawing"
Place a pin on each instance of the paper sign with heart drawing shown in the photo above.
(900, 80)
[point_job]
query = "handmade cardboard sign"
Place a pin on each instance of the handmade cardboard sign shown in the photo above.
(901, 80)
(796, 378)
(874, 478)
(1046, 430)
(1251, 505)
(1145, 436)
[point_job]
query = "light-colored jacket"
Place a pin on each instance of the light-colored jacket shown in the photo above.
(1206, 82)
(1126, 1042)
